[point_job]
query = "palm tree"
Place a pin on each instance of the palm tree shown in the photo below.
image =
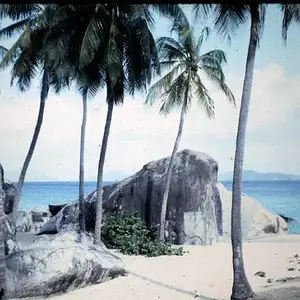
(183, 83)
(128, 64)
(228, 18)
(25, 54)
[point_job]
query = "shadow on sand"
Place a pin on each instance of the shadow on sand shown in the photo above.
(193, 294)
(286, 291)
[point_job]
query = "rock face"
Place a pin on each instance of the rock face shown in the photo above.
(31, 221)
(194, 212)
(199, 209)
(59, 263)
(257, 221)
(54, 209)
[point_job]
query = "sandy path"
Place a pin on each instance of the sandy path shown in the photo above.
(204, 271)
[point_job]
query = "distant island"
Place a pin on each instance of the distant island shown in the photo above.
(250, 175)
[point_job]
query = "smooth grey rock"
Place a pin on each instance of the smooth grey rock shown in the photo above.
(257, 221)
(59, 263)
(194, 212)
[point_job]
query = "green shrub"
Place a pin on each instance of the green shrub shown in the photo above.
(129, 235)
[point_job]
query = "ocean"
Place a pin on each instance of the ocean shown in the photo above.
(280, 197)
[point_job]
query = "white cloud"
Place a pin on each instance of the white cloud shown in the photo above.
(139, 134)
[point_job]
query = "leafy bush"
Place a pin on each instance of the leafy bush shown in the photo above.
(129, 235)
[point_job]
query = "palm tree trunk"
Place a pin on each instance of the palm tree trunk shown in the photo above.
(241, 289)
(2, 242)
(81, 165)
(98, 223)
(43, 97)
(169, 173)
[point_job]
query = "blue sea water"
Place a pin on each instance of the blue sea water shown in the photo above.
(281, 197)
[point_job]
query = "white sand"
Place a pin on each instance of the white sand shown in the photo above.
(205, 271)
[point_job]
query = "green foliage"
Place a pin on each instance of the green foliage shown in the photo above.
(130, 235)
(181, 58)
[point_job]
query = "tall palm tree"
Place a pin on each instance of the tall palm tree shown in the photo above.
(228, 18)
(67, 69)
(24, 53)
(128, 64)
(184, 83)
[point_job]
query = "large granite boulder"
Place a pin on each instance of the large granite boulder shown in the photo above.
(257, 221)
(198, 209)
(194, 212)
(59, 263)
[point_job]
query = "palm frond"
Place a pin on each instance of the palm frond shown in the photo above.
(94, 36)
(169, 49)
(137, 11)
(261, 24)
(3, 51)
(290, 13)
(174, 97)
(217, 77)
(202, 11)
(19, 11)
(10, 54)
(202, 96)
(213, 58)
(168, 64)
(205, 33)
(24, 70)
(16, 27)
(161, 87)
(173, 12)
(229, 17)
(114, 55)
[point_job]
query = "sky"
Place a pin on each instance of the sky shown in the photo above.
(139, 134)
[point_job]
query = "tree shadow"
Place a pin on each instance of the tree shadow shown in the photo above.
(193, 294)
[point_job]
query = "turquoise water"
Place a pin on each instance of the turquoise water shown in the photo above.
(282, 197)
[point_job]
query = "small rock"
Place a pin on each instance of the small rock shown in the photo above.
(291, 269)
(270, 280)
(260, 274)
(296, 256)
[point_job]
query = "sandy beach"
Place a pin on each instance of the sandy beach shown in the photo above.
(205, 272)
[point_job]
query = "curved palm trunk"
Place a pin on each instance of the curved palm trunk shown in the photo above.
(2, 242)
(241, 289)
(81, 165)
(98, 224)
(43, 97)
(169, 174)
